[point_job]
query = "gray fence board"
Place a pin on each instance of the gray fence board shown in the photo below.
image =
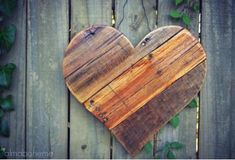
(88, 137)
(217, 128)
(135, 24)
(186, 132)
(46, 129)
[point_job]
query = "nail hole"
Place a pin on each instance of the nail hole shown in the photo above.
(159, 72)
(101, 115)
(105, 119)
(147, 39)
(84, 146)
(92, 102)
(150, 56)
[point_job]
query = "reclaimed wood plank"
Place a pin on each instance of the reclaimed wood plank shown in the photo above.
(46, 129)
(186, 132)
(131, 19)
(88, 137)
(17, 55)
(217, 129)
(106, 58)
(106, 62)
(146, 79)
(144, 123)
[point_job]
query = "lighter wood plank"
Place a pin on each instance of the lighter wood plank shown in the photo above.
(17, 55)
(86, 130)
(217, 127)
(46, 129)
(146, 79)
(135, 28)
(138, 128)
(186, 132)
(106, 58)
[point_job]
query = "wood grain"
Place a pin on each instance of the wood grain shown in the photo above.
(47, 37)
(138, 128)
(217, 128)
(89, 139)
(146, 79)
(186, 132)
(151, 72)
(134, 25)
(106, 61)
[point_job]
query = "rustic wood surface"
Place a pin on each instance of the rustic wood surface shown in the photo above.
(131, 19)
(217, 128)
(143, 72)
(47, 113)
(136, 130)
(90, 139)
(186, 132)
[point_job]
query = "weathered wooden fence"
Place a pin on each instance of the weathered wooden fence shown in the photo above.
(48, 118)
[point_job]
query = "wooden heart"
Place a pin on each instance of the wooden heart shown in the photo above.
(134, 91)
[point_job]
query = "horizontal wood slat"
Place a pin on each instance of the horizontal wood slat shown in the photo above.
(88, 69)
(116, 80)
(138, 128)
(144, 80)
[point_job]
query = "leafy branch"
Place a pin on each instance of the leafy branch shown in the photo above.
(175, 121)
(7, 39)
(184, 10)
(167, 151)
(2, 153)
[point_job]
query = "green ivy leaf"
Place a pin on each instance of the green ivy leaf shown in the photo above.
(175, 14)
(192, 104)
(196, 6)
(175, 121)
(2, 153)
(170, 155)
(148, 147)
(6, 75)
(177, 2)
(7, 7)
(4, 128)
(1, 113)
(186, 19)
(7, 103)
(7, 38)
(176, 145)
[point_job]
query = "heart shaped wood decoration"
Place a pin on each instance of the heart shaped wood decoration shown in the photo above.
(134, 91)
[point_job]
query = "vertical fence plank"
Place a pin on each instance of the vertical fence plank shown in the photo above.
(17, 55)
(135, 21)
(46, 129)
(217, 128)
(88, 137)
(186, 132)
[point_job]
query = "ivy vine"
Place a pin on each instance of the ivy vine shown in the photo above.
(183, 10)
(7, 39)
